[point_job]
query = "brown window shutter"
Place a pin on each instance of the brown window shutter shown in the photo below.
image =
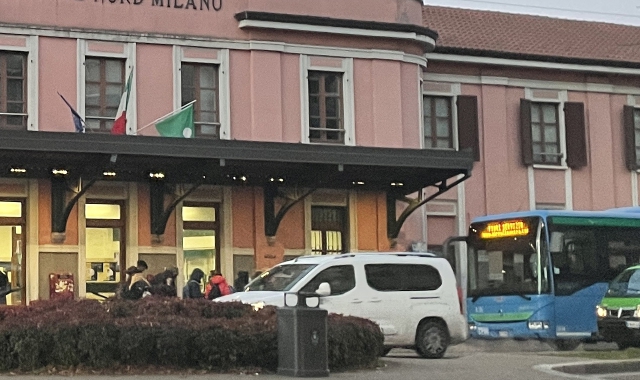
(630, 138)
(575, 135)
(468, 124)
(525, 132)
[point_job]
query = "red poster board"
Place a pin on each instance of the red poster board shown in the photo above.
(60, 286)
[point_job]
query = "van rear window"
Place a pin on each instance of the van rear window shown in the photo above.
(402, 277)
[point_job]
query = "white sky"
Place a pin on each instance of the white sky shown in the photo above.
(614, 11)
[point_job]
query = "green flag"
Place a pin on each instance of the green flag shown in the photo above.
(180, 124)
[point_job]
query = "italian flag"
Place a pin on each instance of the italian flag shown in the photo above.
(120, 124)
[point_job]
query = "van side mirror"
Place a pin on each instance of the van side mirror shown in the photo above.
(324, 289)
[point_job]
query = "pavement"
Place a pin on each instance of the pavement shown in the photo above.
(466, 360)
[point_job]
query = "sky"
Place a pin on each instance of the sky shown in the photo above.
(614, 11)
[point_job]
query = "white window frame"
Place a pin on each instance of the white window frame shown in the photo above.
(31, 48)
(222, 61)
(560, 100)
(348, 98)
(129, 55)
(453, 97)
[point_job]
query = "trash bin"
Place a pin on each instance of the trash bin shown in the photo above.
(302, 340)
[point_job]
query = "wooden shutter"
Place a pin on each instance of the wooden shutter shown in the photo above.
(575, 135)
(630, 138)
(526, 142)
(468, 124)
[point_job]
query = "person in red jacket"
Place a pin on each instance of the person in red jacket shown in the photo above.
(217, 287)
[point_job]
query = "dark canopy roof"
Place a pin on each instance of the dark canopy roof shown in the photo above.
(228, 162)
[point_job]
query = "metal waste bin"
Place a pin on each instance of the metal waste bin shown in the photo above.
(302, 340)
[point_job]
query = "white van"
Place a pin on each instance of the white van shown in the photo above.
(412, 296)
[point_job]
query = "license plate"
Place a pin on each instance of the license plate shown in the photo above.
(503, 334)
(633, 324)
(483, 331)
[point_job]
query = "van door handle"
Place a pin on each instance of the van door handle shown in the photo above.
(356, 300)
(375, 300)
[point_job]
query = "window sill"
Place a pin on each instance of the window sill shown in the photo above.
(550, 167)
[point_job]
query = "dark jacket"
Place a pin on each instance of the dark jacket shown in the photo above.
(192, 288)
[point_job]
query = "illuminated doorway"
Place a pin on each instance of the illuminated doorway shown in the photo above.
(105, 248)
(200, 238)
(12, 252)
(328, 230)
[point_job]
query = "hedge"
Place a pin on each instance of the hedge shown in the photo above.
(165, 332)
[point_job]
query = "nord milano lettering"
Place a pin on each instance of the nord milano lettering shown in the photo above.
(215, 5)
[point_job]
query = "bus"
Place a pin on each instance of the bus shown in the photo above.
(541, 274)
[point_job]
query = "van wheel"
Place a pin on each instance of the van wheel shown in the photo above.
(432, 340)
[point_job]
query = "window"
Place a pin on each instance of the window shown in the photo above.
(438, 124)
(543, 134)
(341, 278)
(326, 115)
(104, 84)
(328, 230)
(13, 90)
(402, 277)
(200, 83)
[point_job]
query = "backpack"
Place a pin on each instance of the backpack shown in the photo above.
(215, 292)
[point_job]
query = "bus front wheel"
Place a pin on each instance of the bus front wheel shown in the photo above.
(566, 344)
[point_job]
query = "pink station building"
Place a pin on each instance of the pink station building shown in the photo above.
(318, 128)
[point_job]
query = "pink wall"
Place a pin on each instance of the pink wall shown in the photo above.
(363, 87)
(240, 83)
(410, 106)
(506, 179)
(387, 103)
(266, 96)
(147, 18)
(549, 186)
(439, 228)
(57, 75)
(154, 86)
(291, 108)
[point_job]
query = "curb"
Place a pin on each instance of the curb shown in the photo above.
(597, 368)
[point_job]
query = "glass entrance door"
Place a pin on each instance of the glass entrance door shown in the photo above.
(12, 255)
(105, 248)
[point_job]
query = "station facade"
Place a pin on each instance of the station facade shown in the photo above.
(307, 136)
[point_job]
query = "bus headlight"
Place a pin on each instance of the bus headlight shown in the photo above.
(538, 325)
(601, 312)
(637, 312)
(472, 326)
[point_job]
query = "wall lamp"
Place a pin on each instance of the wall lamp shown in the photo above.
(59, 172)
(158, 175)
(18, 170)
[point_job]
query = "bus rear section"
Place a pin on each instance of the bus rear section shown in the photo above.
(540, 275)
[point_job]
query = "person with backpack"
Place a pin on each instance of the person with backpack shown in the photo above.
(217, 287)
(192, 288)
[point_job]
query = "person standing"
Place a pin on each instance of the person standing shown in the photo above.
(217, 287)
(192, 288)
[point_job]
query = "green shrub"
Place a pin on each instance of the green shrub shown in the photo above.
(197, 334)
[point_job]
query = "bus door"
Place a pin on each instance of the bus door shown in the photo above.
(576, 291)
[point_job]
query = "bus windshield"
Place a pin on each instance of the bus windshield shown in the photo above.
(505, 259)
(589, 250)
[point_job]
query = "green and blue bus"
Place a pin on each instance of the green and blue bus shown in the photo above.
(541, 274)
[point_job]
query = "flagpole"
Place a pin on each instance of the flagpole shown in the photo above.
(165, 116)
